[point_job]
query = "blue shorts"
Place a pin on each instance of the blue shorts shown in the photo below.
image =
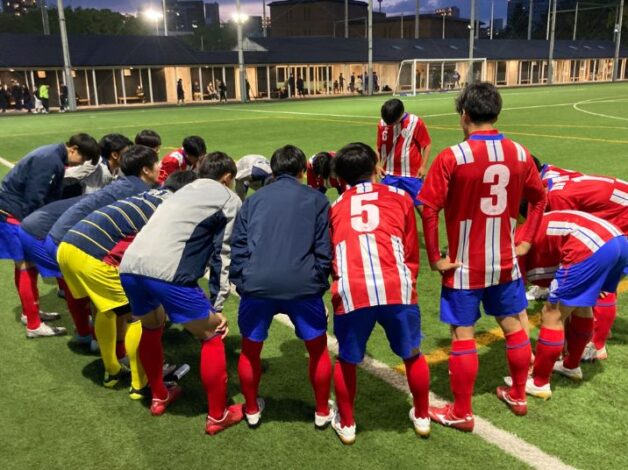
(580, 284)
(183, 304)
(461, 307)
(410, 185)
(10, 245)
(38, 251)
(307, 316)
(402, 324)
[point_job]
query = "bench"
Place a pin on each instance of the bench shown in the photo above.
(131, 99)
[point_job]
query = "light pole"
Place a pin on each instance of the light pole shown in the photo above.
(44, 17)
(550, 67)
(241, 18)
(264, 25)
(346, 19)
(416, 18)
(575, 23)
(492, 16)
(530, 17)
(370, 52)
(471, 39)
(618, 41)
(67, 66)
(165, 15)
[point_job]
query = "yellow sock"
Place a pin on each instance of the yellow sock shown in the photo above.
(105, 329)
(132, 343)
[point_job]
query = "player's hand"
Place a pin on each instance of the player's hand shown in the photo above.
(444, 264)
(223, 327)
(522, 248)
(422, 172)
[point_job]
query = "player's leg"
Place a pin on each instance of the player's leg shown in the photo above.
(604, 315)
(578, 333)
(25, 276)
(132, 339)
(79, 311)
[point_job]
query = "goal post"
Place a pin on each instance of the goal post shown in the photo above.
(424, 75)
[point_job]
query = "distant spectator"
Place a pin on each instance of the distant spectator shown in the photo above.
(180, 92)
(196, 92)
(16, 92)
(63, 98)
(4, 98)
(300, 86)
(44, 96)
(291, 87)
(375, 82)
(222, 88)
(341, 83)
(360, 85)
(336, 86)
(139, 92)
(352, 83)
(456, 79)
(248, 89)
(211, 91)
(28, 99)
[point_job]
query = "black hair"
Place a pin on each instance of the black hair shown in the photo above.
(537, 163)
(179, 179)
(480, 101)
(113, 143)
(194, 146)
(355, 163)
(137, 157)
(392, 110)
(86, 146)
(288, 160)
(149, 138)
(215, 165)
(321, 164)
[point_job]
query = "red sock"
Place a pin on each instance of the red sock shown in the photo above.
(250, 372)
(578, 334)
(79, 309)
(604, 314)
(26, 285)
(518, 353)
(463, 369)
(320, 372)
(214, 375)
(120, 349)
(548, 349)
(152, 357)
(418, 375)
(345, 387)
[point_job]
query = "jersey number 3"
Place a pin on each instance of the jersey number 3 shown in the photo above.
(498, 176)
(364, 216)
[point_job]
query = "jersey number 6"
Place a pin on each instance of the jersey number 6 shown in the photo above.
(360, 208)
(498, 176)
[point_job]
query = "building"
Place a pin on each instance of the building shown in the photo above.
(185, 15)
(212, 14)
(18, 7)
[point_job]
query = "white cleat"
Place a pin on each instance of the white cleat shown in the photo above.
(45, 330)
(345, 433)
(544, 391)
(253, 419)
(44, 316)
(592, 354)
(537, 293)
(422, 426)
(573, 374)
(321, 422)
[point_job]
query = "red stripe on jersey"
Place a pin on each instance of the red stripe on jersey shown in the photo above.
(376, 255)
(400, 145)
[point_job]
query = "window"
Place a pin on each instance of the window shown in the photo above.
(500, 78)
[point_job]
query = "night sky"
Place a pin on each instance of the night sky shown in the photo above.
(254, 7)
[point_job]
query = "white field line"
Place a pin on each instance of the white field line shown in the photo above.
(594, 101)
(505, 441)
(6, 163)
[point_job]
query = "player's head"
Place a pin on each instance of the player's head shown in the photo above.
(194, 147)
(112, 146)
(149, 138)
(218, 166)
(140, 161)
(392, 111)
(537, 163)
(82, 148)
(288, 160)
(178, 179)
(478, 103)
(321, 164)
(355, 163)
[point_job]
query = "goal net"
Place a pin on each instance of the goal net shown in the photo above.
(420, 75)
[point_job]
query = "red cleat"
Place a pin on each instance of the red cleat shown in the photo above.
(445, 415)
(158, 406)
(233, 415)
(518, 407)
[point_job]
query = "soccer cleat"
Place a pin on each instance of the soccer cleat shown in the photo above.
(322, 421)
(111, 380)
(45, 330)
(44, 316)
(79, 339)
(518, 407)
(158, 406)
(94, 347)
(233, 415)
(422, 426)
(345, 433)
(573, 374)
(139, 394)
(445, 415)
(537, 293)
(253, 419)
(592, 354)
(543, 391)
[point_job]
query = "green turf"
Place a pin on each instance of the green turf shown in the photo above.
(54, 413)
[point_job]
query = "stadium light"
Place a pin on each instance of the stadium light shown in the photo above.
(239, 19)
(154, 15)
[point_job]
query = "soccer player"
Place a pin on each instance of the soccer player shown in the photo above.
(140, 167)
(184, 158)
(149, 138)
(281, 259)
(35, 181)
(404, 147)
(480, 184)
(160, 271)
(581, 255)
(374, 236)
(253, 172)
(320, 175)
(90, 254)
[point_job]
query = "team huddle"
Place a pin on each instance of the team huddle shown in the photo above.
(128, 238)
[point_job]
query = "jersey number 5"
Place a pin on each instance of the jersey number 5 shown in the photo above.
(498, 176)
(364, 216)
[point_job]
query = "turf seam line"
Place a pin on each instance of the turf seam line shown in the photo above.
(6, 163)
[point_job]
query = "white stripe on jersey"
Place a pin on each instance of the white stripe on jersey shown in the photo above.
(461, 274)
(373, 276)
(619, 197)
(390, 156)
(593, 178)
(516, 272)
(587, 236)
(463, 153)
(405, 277)
(495, 150)
(364, 188)
(492, 255)
(179, 156)
(344, 289)
(405, 150)
(614, 231)
(521, 153)
(393, 189)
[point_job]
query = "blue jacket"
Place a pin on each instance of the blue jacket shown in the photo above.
(39, 223)
(34, 182)
(281, 247)
(121, 188)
